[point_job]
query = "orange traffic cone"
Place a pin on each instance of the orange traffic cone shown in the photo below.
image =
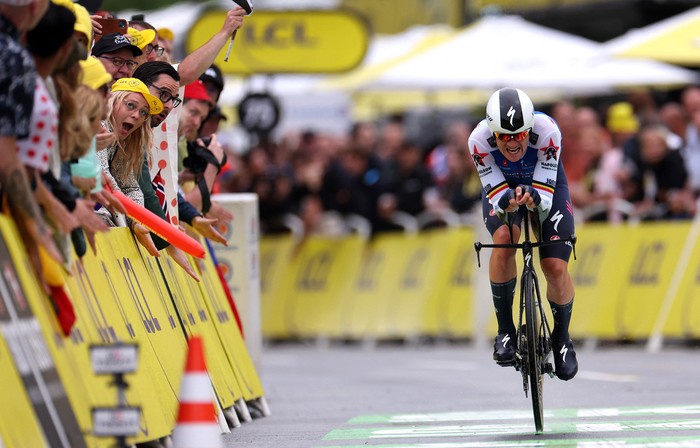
(196, 419)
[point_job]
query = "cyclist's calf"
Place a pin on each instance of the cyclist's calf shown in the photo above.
(560, 288)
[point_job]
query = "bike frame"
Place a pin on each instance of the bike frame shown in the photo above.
(533, 339)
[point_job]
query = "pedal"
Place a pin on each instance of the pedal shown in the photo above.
(548, 364)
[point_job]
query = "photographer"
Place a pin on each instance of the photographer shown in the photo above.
(202, 158)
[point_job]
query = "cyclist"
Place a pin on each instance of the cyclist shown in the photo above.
(517, 153)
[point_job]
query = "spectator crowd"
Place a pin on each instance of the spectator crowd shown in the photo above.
(633, 157)
(87, 116)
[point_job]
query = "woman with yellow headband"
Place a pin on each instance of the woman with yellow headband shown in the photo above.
(129, 111)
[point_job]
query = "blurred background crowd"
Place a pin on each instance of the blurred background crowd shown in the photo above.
(633, 159)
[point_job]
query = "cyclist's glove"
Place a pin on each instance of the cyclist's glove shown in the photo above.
(534, 194)
(503, 204)
(504, 201)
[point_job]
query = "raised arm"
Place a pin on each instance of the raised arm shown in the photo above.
(197, 62)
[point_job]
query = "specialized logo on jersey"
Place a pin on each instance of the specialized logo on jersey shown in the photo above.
(478, 157)
(550, 151)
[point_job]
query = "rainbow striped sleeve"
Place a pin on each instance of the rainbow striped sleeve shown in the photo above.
(496, 190)
(542, 187)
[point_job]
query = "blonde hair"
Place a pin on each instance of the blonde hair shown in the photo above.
(66, 82)
(92, 107)
(134, 147)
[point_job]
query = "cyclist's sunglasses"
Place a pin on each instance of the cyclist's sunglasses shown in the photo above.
(520, 136)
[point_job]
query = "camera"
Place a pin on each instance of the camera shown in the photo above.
(198, 157)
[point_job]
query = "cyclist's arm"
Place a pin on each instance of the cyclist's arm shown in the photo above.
(490, 174)
(544, 177)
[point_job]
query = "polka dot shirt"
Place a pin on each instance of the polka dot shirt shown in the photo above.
(34, 151)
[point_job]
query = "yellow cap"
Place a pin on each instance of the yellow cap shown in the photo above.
(135, 85)
(66, 3)
(94, 73)
(141, 38)
(621, 118)
(166, 33)
(83, 24)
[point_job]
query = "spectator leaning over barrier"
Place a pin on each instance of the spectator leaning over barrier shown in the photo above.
(95, 77)
(117, 54)
(83, 29)
(164, 155)
(17, 75)
(52, 45)
(517, 154)
(205, 156)
(162, 81)
(129, 113)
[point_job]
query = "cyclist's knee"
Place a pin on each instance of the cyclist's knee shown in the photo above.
(502, 235)
(554, 268)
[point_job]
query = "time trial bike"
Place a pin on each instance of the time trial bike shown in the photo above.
(533, 352)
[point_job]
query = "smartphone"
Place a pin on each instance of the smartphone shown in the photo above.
(110, 26)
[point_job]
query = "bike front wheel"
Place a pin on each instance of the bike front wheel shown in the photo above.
(532, 326)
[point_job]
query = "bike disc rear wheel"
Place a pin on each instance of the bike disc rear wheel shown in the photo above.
(532, 325)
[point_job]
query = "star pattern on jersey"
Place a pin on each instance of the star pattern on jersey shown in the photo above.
(478, 157)
(550, 151)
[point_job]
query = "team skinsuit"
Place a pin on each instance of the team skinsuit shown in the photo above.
(510, 114)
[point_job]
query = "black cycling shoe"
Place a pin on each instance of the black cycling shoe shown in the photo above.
(504, 349)
(565, 363)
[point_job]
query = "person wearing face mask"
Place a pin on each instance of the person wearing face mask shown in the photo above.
(517, 153)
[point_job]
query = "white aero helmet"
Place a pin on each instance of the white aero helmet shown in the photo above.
(509, 111)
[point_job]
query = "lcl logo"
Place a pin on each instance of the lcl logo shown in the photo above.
(279, 33)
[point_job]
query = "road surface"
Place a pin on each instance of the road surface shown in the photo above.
(455, 396)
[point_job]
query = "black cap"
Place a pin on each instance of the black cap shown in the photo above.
(213, 75)
(110, 43)
(217, 113)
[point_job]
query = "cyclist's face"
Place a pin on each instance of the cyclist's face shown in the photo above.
(512, 150)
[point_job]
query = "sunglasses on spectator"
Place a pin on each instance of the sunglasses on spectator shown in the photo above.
(119, 62)
(166, 96)
(520, 136)
(159, 50)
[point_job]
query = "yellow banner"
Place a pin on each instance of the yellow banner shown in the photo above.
(322, 272)
(684, 317)
(213, 295)
(122, 308)
(275, 253)
(287, 41)
(654, 250)
(197, 321)
(454, 310)
(19, 426)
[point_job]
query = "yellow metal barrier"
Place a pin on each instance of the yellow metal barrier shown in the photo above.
(402, 286)
(119, 295)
